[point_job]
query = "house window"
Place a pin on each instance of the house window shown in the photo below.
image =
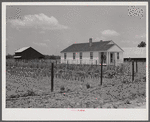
(91, 55)
(65, 55)
(74, 55)
(80, 55)
(117, 55)
(111, 57)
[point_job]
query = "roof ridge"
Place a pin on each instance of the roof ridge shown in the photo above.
(92, 42)
(22, 49)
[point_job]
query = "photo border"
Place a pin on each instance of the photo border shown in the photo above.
(89, 111)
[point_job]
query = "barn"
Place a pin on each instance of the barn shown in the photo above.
(90, 53)
(134, 53)
(27, 53)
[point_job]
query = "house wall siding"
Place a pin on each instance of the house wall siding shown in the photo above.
(115, 49)
(85, 58)
(120, 60)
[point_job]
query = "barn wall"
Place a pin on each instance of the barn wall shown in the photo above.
(31, 54)
(135, 59)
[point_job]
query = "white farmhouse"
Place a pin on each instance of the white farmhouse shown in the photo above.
(90, 53)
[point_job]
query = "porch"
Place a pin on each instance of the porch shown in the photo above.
(110, 58)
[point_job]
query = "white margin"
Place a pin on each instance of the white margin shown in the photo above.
(66, 114)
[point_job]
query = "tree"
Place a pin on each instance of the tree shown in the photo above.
(9, 56)
(142, 44)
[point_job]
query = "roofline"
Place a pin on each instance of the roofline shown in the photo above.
(85, 51)
(89, 51)
(32, 48)
(92, 51)
(83, 43)
(23, 50)
(37, 51)
(118, 46)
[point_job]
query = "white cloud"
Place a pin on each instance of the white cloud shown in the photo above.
(110, 33)
(47, 40)
(40, 44)
(38, 21)
(140, 36)
(100, 38)
(42, 32)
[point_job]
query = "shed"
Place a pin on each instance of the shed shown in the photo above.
(27, 53)
(134, 53)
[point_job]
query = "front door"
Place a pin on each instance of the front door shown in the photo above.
(111, 57)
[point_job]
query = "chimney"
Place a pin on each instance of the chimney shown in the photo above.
(90, 42)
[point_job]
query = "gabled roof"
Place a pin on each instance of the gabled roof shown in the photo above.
(96, 46)
(21, 49)
(134, 52)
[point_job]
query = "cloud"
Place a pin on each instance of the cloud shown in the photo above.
(42, 32)
(40, 44)
(100, 38)
(38, 21)
(47, 40)
(140, 36)
(110, 33)
(130, 42)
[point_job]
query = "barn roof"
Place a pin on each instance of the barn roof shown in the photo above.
(21, 49)
(96, 46)
(134, 52)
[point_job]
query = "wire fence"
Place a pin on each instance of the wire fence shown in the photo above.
(126, 72)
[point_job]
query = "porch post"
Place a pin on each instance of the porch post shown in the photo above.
(107, 58)
(115, 55)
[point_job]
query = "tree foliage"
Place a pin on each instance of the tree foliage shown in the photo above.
(52, 57)
(142, 44)
(9, 56)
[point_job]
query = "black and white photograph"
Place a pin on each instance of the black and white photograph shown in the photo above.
(75, 60)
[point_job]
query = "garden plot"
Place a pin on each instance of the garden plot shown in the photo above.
(28, 87)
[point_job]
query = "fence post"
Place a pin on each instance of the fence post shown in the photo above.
(96, 62)
(132, 70)
(136, 67)
(67, 64)
(52, 77)
(101, 67)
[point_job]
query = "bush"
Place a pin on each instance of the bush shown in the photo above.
(110, 73)
(29, 93)
(62, 89)
(87, 86)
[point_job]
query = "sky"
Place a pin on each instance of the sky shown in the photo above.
(50, 29)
